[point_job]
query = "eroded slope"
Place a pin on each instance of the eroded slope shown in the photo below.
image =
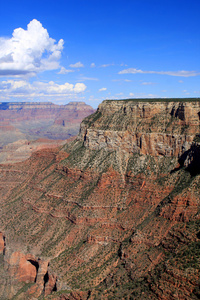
(110, 215)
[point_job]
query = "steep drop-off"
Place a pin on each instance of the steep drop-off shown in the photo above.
(112, 215)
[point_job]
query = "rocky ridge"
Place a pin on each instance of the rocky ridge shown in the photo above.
(119, 204)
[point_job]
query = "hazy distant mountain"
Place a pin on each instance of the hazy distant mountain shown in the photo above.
(24, 122)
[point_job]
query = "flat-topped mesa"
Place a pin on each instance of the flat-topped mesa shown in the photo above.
(42, 105)
(153, 127)
(25, 105)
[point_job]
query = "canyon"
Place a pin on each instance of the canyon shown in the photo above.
(111, 214)
(29, 126)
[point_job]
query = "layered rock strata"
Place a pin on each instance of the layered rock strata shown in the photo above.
(156, 128)
(106, 210)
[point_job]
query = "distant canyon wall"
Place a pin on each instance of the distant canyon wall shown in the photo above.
(22, 122)
(23, 111)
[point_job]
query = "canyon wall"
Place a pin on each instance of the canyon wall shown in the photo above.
(114, 214)
(155, 128)
(40, 119)
(21, 123)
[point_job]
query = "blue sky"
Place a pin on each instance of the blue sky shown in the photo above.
(91, 50)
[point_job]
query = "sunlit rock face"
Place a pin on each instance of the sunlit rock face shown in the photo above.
(118, 204)
(155, 128)
(2, 243)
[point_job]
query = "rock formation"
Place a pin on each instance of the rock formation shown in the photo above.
(114, 214)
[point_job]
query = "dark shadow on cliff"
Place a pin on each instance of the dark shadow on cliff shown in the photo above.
(190, 160)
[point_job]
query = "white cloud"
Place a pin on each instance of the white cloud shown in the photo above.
(171, 73)
(180, 81)
(148, 83)
(29, 51)
(186, 92)
(142, 95)
(79, 87)
(82, 78)
(92, 65)
(22, 89)
(102, 89)
(64, 71)
(77, 65)
(107, 65)
(151, 95)
(125, 80)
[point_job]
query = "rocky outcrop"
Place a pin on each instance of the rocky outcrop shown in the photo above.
(26, 268)
(155, 128)
(2, 243)
(23, 267)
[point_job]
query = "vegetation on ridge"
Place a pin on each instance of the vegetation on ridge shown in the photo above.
(156, 100)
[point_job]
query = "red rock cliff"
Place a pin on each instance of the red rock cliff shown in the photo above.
(120, 204)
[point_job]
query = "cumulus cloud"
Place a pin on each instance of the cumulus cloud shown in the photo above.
(23, 89)
(64, 71)
(170, 73)
(77, 65)
(92, 65)
(29, 51)
(102, 89)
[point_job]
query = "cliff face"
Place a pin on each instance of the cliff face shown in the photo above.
(156, 128)
(119, 204)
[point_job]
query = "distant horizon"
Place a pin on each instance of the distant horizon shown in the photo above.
(95, 50)
(170, 99)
